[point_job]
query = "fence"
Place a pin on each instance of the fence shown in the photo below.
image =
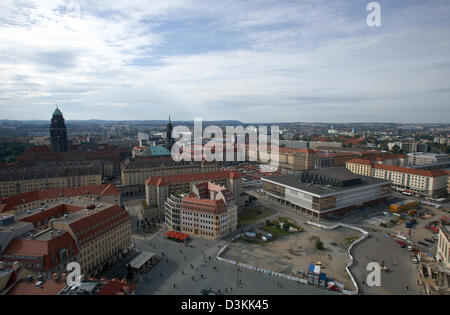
(347, 267)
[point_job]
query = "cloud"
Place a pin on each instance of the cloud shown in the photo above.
(248, 60)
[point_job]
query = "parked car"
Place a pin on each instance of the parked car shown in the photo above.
(428, 240)
(414, 261)
(423, 244)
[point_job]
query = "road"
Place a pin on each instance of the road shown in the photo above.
(402, 272)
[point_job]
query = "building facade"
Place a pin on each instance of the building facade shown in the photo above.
(209, 212)
(430, 183)
(443, 248)
(18, 180)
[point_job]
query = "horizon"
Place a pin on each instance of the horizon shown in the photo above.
(276, 122)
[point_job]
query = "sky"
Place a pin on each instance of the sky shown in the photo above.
(247, 60)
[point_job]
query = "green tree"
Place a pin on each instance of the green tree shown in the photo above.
(319, 244)
(396, 149)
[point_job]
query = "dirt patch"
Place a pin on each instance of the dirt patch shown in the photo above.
(296, 251)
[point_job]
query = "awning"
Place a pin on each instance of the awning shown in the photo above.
(141, 260)
(177, 235)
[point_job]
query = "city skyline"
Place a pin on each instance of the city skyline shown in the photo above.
(287, 61)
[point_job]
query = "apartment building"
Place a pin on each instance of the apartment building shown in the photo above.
(209, 212)
(17, 180)
(430, 183)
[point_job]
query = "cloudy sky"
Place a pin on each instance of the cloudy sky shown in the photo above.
(250, 60)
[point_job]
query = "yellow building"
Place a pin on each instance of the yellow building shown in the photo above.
(101, 235)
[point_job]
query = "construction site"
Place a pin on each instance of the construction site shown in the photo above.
(434, 271)
(291, 254)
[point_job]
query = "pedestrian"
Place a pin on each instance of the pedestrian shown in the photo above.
(174, 285)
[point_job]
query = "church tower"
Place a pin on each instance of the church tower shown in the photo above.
(58, 132)
(169, 139)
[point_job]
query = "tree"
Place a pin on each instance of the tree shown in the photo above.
(319, 244)
(286, 227)
(396, 149)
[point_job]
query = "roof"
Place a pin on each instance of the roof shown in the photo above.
(53, 244)
(113, 213)
(116, 287)
(49, 287)
(360, 161)
(158, 150)
(187, 178)
(140, 260)
(57, 112)
(11, 202)
(292, 150)
(428, 173)
(294, 182)
(177, 235)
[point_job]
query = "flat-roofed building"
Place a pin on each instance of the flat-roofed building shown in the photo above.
(326, 192)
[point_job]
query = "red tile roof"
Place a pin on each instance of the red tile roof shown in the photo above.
(177, 235)
(104, 220)
(41, 248)
(29, 288)
(360, 161)
(292, 150)
(187, 178)
(55, 212)
(14, 201)
(428, 173)
(116, 287)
